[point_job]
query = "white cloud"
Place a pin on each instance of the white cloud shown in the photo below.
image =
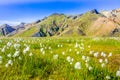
(12, 23)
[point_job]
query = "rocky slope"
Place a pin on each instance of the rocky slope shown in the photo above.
(6, 29)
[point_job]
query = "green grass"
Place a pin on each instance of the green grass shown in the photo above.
(27, 33)
(42, 65)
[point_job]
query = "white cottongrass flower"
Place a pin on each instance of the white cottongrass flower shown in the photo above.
(118, 73)
(90, 68)
(43, 52)
(86, 64)
(70, 50)
(102, 53)
(9, 55)
(16, 54)
(0, 57)
(89, 46)
(108, 77)
(10, 62)
(16, 46)
(63, 53)
(87, 59)
(3, 49)
(91, 52)
(6, 65)
(83, 57)
(68, 58)
(19, 58)
(77, 65)
(42, 49)
(100, 60)
(61, 45)
(30, 54)
(76, 45)
(51, 52)
(77, 52)
(9, 44)
(49, 48)
(106, 60)
(110, 54)
(58, 45)
(96, 54)
(26, 49)
(103, 65)
(55, 56)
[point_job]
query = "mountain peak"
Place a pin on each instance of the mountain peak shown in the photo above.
(94, 11)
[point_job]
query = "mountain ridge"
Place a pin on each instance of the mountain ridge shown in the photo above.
(91, 23)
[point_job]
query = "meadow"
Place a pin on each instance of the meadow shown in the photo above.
(60, 58)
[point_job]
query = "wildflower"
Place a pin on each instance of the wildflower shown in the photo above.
(19, 58)
(110, 54)
(61, 45)
(16, 46)
(9, 44)
(63, 53)
(10, 62)
(58, 45)
(108, 77)
(86, 64)
(100, 60)
(91, 52)
(30, 54)
(77, 65)
(77, 52)
(102, 53)
(55, 56)
(68, 58)
(106, 60)
(83, 57)
(88, 58)
(16, 54)
(89, 46)
(42, 49)
(70, 50)
(43, 52)
(6, 65)
(3, 49)
(103, 65)
(26, 49)
(118, 73)
(96, 54)
(9, 55)
(90, 68)
(49, 48)
(72, 59)
(51, 52)
(70, 62)
(76, 45)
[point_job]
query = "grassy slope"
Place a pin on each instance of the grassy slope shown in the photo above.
(43, 66)
(27, 33)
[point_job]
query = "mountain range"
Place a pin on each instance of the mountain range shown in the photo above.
(91, 23)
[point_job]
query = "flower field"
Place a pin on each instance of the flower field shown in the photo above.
(60, 58)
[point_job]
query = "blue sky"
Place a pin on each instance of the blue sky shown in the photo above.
(15, 11)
